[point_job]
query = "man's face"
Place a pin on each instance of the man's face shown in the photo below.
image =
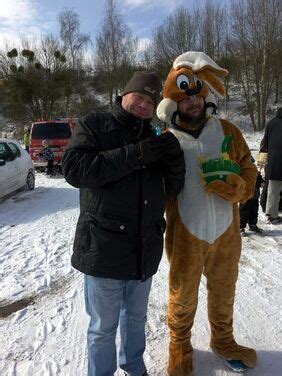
(192, 109)
(139, 105)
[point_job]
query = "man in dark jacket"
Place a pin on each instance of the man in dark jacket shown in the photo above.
(272, 144)
(125, 173)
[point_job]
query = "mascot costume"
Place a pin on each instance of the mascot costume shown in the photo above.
(203, 235)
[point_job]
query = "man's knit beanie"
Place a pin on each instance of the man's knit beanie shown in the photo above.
(146, 83)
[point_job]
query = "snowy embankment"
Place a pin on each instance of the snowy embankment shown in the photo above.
(44, 332)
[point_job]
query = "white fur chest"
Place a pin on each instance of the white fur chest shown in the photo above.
(206, 216)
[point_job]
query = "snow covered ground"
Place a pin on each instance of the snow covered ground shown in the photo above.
(46, 333)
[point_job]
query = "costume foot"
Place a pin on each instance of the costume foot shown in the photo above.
(232, 354)
(180, 360)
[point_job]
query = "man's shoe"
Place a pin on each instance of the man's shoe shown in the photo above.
(143, 374)
(243, 232)
(255, 228)
(274, 221)
(236, 365)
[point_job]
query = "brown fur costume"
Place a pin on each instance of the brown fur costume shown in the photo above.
(203, 235)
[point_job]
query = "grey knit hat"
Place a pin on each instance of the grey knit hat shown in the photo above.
(146, 83)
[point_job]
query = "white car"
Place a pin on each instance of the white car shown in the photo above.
(16, 168)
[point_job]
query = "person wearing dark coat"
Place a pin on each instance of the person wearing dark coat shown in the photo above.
(272, 144)
(249, 209)
(125, 174)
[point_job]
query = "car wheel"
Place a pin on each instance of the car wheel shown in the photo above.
(30, 181)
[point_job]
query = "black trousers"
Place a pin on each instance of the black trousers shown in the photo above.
(263, 196)
(249, 212)
(50, 167)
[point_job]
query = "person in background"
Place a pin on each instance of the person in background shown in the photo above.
(249, 209)
(125, 173)
(263, 195)
(48, 155)
(26, 139)
(272, 145)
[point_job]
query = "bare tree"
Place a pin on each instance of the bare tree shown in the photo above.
(74, 41)
(256, 46)
(202, 29)
(116, 52)
(74, 45)
(173, 37)
(212, 28)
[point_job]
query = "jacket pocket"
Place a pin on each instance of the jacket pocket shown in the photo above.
(111, 225)
(111, 245)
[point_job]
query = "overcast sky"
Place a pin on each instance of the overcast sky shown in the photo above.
(36, 17)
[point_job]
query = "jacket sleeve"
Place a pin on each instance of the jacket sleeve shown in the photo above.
(85, 165)
(174, 174)
(264, 141)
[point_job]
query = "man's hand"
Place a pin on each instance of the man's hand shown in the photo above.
(171, 144)
(232, 190)
(150, 150)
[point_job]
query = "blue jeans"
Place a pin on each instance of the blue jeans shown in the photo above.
(110, 302)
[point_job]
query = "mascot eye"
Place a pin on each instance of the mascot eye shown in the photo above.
(197, 81)
(182, 82)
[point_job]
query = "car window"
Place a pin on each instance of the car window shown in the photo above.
(51, 131)
(6, 153)
(15, 150)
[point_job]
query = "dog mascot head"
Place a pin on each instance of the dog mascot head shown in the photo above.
(192, 73)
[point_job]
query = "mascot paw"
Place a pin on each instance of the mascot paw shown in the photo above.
(232, 189)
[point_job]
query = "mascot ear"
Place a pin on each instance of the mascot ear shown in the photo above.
(211, 78)
(166, 109)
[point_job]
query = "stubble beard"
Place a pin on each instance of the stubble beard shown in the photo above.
(193, 122)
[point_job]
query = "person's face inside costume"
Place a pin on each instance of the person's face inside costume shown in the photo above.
(192, 111)
(139, 105)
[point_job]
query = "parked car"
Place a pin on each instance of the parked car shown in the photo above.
(16, 168)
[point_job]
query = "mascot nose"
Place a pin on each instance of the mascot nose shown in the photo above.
(194, 89)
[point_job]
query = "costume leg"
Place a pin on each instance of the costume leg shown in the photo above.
(133, 317)
(103, 297)
(186, 265)
(221, 270)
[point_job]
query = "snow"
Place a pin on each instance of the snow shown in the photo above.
(47, 336)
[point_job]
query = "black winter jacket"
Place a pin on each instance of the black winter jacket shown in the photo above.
(120, 229)
(272, 144)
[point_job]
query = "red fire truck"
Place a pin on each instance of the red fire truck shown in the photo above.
(57, 132)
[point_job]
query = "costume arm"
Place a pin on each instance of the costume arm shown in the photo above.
(236, 188)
